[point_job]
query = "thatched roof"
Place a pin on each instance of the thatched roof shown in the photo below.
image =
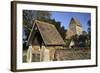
(48, 32)
(75, 21)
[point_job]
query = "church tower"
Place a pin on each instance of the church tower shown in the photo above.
(74, 28)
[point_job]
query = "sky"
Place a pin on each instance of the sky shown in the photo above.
(65, 17)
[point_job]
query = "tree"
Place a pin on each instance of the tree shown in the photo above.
(89, 29)
(89, 32)
(42, 16)
(82, 40)
(30, 15)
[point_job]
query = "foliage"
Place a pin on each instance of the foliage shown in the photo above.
(80, 40)
(42, 16)
(89, 29)
(89, 32)
(30, 15)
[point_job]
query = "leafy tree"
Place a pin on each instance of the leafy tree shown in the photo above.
(27, 22)
(89, 32)
(89, 29)
(82, 40)
(42, 16)
(30, 15)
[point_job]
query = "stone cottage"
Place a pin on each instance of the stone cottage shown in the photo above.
(43, 40)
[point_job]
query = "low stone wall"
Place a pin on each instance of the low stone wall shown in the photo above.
(73, 53)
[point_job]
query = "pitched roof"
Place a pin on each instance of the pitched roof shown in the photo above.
(74, 20)
(48, 32)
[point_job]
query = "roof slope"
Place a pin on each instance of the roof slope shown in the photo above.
(74, 20)
(49, 33)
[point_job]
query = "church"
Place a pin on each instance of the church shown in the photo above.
(74, 28)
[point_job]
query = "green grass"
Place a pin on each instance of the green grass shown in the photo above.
(24, 55)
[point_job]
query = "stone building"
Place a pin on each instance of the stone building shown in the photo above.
(43, 40)
(75, 28)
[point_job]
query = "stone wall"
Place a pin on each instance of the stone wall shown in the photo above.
(57, 53)
(74, 54)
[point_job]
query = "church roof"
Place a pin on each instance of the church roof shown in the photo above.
(48, 32)
(76, 21)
